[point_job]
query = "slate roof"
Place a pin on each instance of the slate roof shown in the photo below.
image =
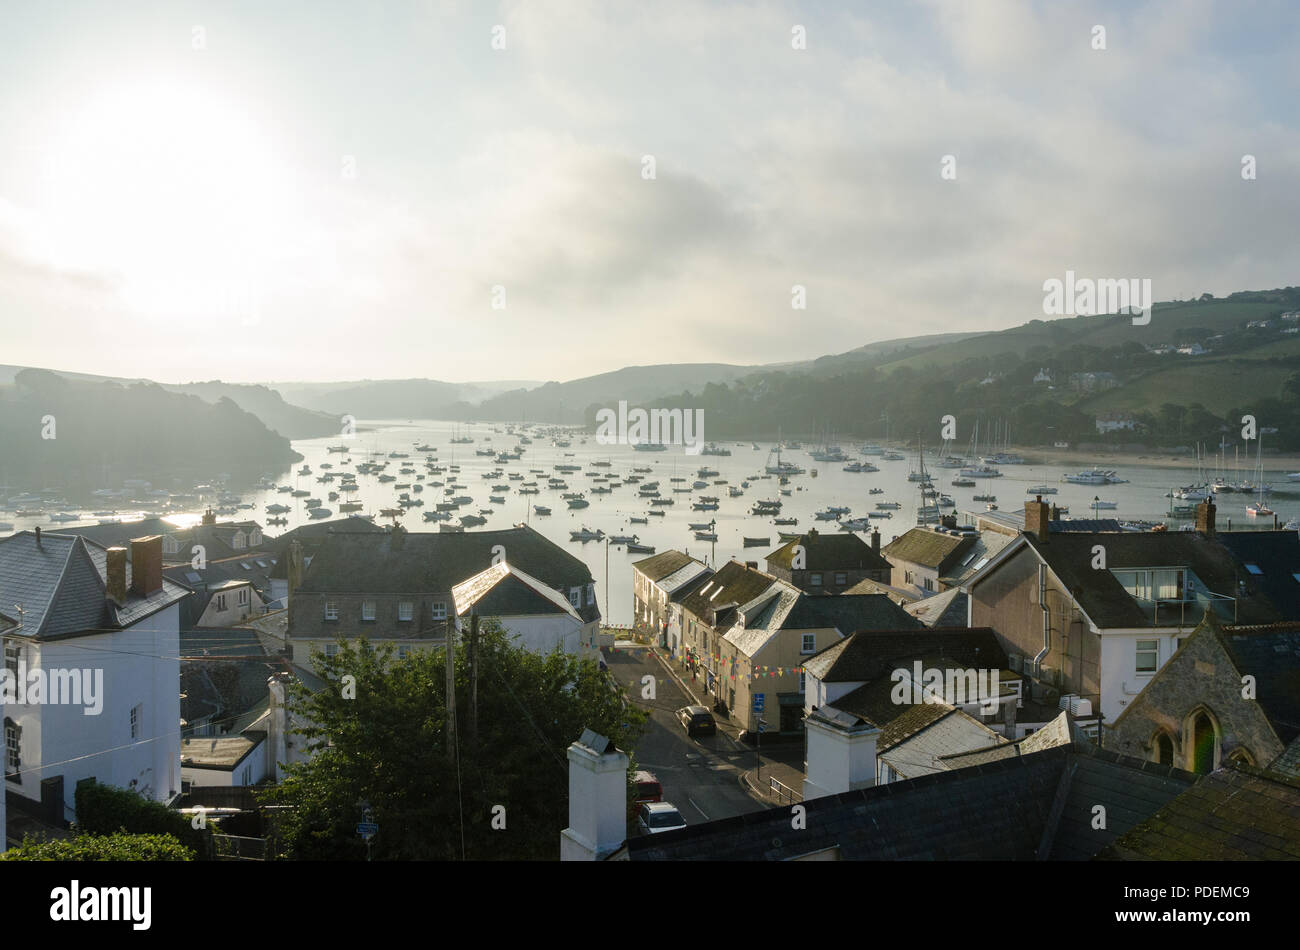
(1104, 599)
(848, 613)
(733, 584)
(311, 536)
(933, 549)
(919, 749)
(829, 552)
(869, 654)
(987, 545)
(1277, 554)
(999, 811)
(1288, 763)
(660, 565)
(948, 609)
(216, 538)
(1057, 732)
(679, 584)
(61, 585)
(435, 562)
(505, 591)
(1272, 656)
(205, 650)
(1235, 814)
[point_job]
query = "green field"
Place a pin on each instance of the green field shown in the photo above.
(1215, 384)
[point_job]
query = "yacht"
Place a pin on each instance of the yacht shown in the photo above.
(1095, 476)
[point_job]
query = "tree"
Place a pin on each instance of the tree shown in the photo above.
(388, 746)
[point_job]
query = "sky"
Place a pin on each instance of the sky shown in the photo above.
(326, 190)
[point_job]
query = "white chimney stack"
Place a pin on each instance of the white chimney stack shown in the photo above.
(597, 800)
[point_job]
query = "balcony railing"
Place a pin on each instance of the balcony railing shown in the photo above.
(1189, 610)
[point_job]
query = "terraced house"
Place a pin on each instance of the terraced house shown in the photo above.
(407, 589)
(828, 563)
(748, 634)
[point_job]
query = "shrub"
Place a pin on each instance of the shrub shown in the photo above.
(105, 810)
(88, 847)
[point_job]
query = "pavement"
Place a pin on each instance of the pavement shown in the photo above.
(706, 777)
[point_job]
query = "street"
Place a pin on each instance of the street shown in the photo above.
(701, 776)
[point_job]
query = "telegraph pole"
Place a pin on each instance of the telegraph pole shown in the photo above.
(451, 691)
(473, 679)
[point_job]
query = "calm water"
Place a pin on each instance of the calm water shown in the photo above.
(1141, 498)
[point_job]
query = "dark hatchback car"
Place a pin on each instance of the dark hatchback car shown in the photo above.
(697, 721)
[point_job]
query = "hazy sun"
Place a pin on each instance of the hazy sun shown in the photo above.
(171, 190)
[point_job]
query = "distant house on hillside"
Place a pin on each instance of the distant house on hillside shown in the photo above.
(1192, 349)
(1115, 421)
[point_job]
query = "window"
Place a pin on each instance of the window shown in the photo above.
(841, 578)
(929, 583)
(1254, 569)
(403, 651)
(255, 537)
(591, 595)
(170, 545)
(331, 649)
(405, 610)
(1148, 652)
(331, 610)
(909, 577)
(238, 541)
(367, 610)
(575, 596)
(13, 747)
(809, 643)
(221, 601)
(815, 580)
(137, 722)
(13, 653)
(243, 596)
(439, 610)
(803, 682)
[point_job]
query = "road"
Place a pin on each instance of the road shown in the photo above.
(701, 776)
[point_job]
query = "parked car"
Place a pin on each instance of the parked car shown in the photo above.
(648, 788)
(697, 720)
(657, 817)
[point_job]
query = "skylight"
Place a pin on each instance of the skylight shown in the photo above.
(261, 564)
(1254, 569)
(245, 565)
(194, 577)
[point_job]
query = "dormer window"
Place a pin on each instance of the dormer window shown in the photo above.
(238, 541)
(170, 545)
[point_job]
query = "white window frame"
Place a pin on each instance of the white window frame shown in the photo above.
(330, 649)
(804, 646)
(221, 601)
(331, 610)
(575, 596)
(368, 611)
(841, 578)
(13, 749)
(1153, 650)
(815, 579)
(243, 597)
(406, 607)
(439, 609)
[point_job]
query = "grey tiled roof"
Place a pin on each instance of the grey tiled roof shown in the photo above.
(1235, 814)
(434, 562)
(999, 811)
(829, 552)
(60, 584)
(868, 654)
(658, 566)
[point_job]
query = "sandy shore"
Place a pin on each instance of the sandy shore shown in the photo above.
(1080, 460)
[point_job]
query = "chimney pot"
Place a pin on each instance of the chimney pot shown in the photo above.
(38, 536)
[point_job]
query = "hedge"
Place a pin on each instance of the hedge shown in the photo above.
(105, 810)
(87, 847)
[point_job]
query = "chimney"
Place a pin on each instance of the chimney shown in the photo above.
(875, 540)
(948, 521)
(812, 533)
(38, 536)
(1056, 513)
(209, 517)
(146, 565)
(397, 538)
(752, 564)
(1037, 516)
(1205, 518)
(293, 570)
(597, 800)
(116, 585)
